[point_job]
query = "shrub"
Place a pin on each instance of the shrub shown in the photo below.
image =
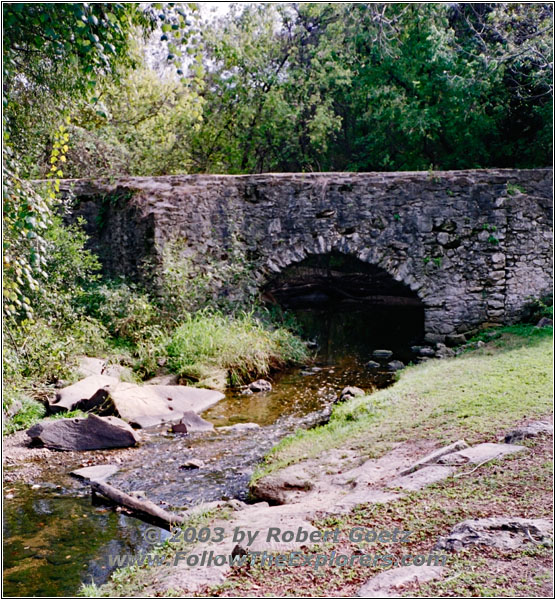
(122, 308)
(207, 344)
(29, 413)
(223, 282)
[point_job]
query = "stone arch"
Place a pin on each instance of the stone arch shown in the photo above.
(337, 281)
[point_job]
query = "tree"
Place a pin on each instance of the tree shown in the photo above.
(53, 55)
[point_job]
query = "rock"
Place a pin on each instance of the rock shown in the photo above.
(90, 366)
(192, 464)
(505, 533)
(545, 322)
(433, 338)
(442, 351)
(235, 504)
(95, 473)
(382, 354)
(365, 495)
(261, 385)
(349, 392)
(395, 365)
(428, 352)
(456, 339)
(421, 478)
(139, 494)
(480, 453)
(383, 583)
(281, 486)
(239, 427)
(416, 349)
(372, 365)
(528, 431)
(13, 409)
(179, 428)
(480, 344)
(311, 371)
(70, 397)
(149, 405)
(433, 457)
(193, 423)
(92, 433)
(168, 379)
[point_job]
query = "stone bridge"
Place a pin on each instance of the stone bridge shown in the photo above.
(470, 247)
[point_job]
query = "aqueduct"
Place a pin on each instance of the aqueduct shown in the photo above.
(470, 246)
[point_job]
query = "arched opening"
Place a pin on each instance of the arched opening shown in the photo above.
(349, 307)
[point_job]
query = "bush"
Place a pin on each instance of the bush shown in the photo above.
(29, 413)
(122, 308)
(538, 308)
(224, 282)
(209, 344)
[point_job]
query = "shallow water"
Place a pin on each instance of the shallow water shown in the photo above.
(55, 539)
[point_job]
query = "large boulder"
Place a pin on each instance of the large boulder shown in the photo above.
(92, 433)
(69, 397)
(149, 405)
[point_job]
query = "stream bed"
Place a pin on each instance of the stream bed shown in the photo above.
(55, 539)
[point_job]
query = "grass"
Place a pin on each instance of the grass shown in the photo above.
(31, 411)
(446, 400)
(476, 395)
(519, 486)
(213, 349)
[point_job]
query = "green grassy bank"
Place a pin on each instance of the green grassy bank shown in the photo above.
(462, 397)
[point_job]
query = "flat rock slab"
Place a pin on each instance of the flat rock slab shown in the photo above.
(187, 422)
(479, 454)
(363, 496)
(421, 478)
(435, 455)
(92, 433)
(505, 533)
(95, 473)
(285, 486)
(70, 397)
(385, 584)
(528, 431)
(148, 405)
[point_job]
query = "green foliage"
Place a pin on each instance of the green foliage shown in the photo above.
(121, 308)
(141, 123)
(361, 86)
(223, 281)
(242, 347)
(41, 351)
(29, 413)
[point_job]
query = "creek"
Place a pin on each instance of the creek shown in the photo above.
(55, 539)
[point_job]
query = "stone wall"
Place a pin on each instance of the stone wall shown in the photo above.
(473, 245)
